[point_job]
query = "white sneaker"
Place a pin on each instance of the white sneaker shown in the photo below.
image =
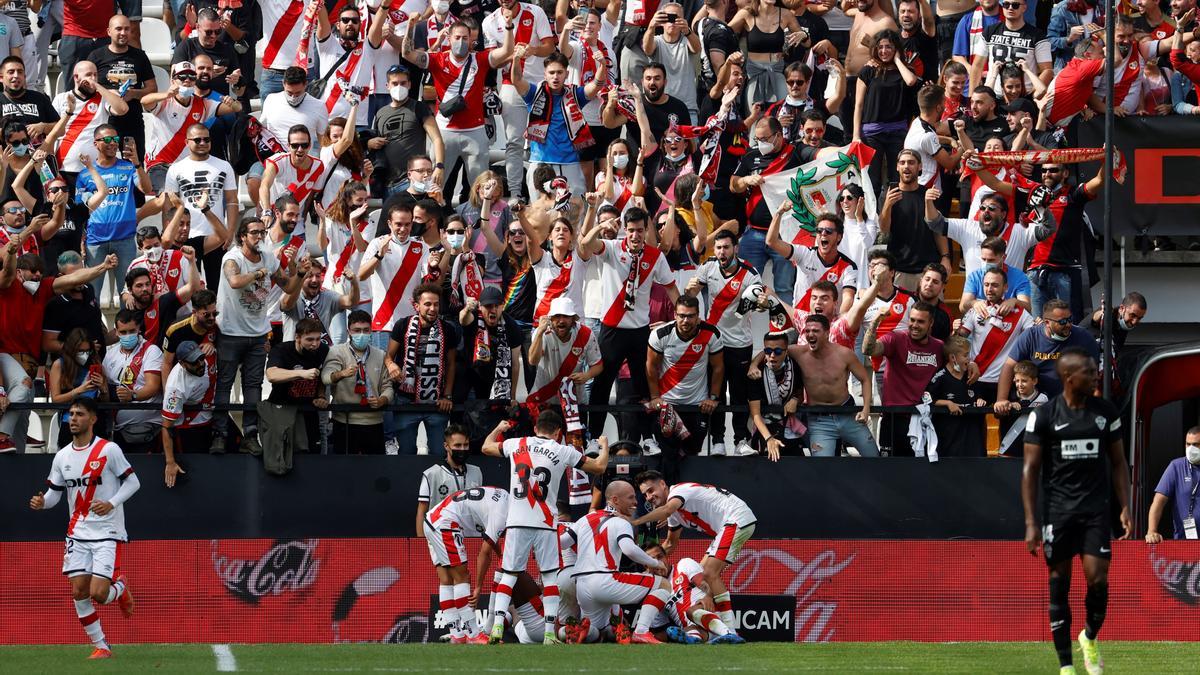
(744, 449)
(650, 448)
(716, 449)
(391, 447)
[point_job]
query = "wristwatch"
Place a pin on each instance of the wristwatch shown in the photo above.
(439, 165)
(379, 255)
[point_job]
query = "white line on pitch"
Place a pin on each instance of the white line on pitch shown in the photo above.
(225, 661)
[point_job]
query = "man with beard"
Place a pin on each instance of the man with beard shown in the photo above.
(200, 327)
(77, 307)
(562, 349)
(31, 107)
(1071, 22)
(190, 384)
(924, 138)
(173, 112)
(918, 42)
(662, 110)
(911, 357)
(421, 355)
(1130, 58)
(169, 269)
(579, 40)
(205, 185)
(1183, 15)
(870, 18)
(1010, 40)
(349, 56)
(210, 43)
(1056, 265)
(1017, 292)
(993, 324)
(901, 216)
(119, 62)
(1043, 344)
(1125, 317)
(285, 109)
(731, 285)
(294, 172)
(247, 272)
(532, 29)
(92, 108)
(984, 121)
(294, 371)
(779, 383)
(219, 126)
(992, 221)
(156, 312)
(929, 289)
(826, 368)
(491, 343)
(822, 261)
(112, 225)
(311, 301)
(285, 242)
(673, 48)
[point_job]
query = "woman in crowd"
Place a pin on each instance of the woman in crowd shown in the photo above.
(881, 117)
(340, 236)
(769, 30)
(498, 217)
(77, 372)
(343, 157)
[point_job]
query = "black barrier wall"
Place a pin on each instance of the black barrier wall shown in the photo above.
(805, 498)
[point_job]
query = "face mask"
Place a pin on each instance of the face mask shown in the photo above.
(128, 341)
(32, 286)
(707, 193)
(1122, 324)
(957, 368)
(82, 358)
(1193, 454)
(418, 229)
(459, 456)
(764, 147)
(294, 99)
(360, 341)
(419, 186)
(186, 92)
(620, 161)
(398, 92)
(20, 149)
(795, 102)
(459, 48)
(1059, 338)
(456, 240)
(154, 253)
(13, 230)
(676, 157)
(441, 7)
(399, 241)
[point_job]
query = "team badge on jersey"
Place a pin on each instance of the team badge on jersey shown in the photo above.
(92, 107)
(150, 314)
(173, 273)
(897, 307)
(576, 350)
(1100, 422)
(735, 284)
(196, 116)
(831, 276)
(94, 464)
(527, 21)
(645, 265)
(697, 348)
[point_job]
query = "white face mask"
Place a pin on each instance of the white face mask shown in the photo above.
(154, 253)
(620, 161)
(459, 48)
(1193, 454)
(187, 92)
(456, 240)
(764, 147)
(32, 286)
(676, 157)
(441, 7)
(398, 92)
(82, 357)
(795, 102)
(1121, 323)
(294, 99)
(419, 186)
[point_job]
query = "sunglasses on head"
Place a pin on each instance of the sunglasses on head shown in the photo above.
(774, 351)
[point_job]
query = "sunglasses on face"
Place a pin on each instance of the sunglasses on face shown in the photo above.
(687, 316)
(186, 78)
(989, 207)
(456, 231)
(109, 139)
(516, 233)
(1051, 169)
(1060, 322)
(1011, 5)
(200, 139)
(773, 351)
(673, 139)
(349, 19)
(15, 209)
(796, 83)
(55, 189)
(846, 198)
(215, 31)
(300, 146)
(826, 230)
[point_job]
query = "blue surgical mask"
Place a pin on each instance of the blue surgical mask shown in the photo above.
(360, 341)
(128, 342)
(456, 240)
(20, 149)
(707, 193)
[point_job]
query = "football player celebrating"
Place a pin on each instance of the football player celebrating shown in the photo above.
(714, 511)
(98, 480)
(475, 511)
(537, 464)
(685, 618)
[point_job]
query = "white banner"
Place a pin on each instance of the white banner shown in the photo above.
(813, 189)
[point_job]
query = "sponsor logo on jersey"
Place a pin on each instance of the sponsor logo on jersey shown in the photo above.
(84, 481)
(1100, 422)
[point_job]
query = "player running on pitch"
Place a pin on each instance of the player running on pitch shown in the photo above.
(477, 511)
(98, 480)
(1072, 442)
(714, 511)
(537, 464)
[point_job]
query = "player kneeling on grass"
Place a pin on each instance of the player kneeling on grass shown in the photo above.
(603, 537)
(688, 617)
(477, 511)
(712, 510)
(98, 480)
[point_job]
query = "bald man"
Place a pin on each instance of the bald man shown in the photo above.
(119, 61)
(87, 107)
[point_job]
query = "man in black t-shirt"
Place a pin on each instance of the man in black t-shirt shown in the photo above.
(76, 308)
(490, 345)
(918, 44)
(662, 109)
(212, 42)
(118, 62)
(902, 217)
(1072, 443)
(294, 371)
(29, 106)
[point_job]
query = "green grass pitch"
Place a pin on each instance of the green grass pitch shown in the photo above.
(1016, 657)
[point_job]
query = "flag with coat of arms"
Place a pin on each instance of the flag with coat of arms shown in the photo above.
(813, 189)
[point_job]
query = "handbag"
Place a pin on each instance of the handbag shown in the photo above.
(316, 88)
(454, 104)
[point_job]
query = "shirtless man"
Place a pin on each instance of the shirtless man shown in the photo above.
(542, 211)
(826, 367)
(870, 17)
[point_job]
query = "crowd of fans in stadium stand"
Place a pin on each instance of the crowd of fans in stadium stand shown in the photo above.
(604, 250)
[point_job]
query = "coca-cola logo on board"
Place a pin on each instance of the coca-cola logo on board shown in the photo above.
(285, 567)
(1180, 578)
(757, 568)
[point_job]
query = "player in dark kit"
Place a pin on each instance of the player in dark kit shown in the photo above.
(1076, 434)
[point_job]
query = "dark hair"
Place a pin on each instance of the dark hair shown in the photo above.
(1009, 71)
(299, 129)
(684, 186)
(208, 14)
(308, 326)
(995, 245)
(556, 57)
(1053, 305)
(1000, 271)
(725, 234)
(685, 300)
(647, 476)
(357, 316)
(1134, 299)
(134, 274)
(426, 287)
(882, 254)
(798, 67)
(776, 337)
(285, 200)
(203, 298)
(144, 233)
(126, 315)
(295, 75)
(954, 68)
(399, 207)
(826, 286)
(419, 157)
(772, 124)
(922, 306)
(433, 210)
(104, 130)
(819, 319)
(88, 403)
(14, 126)
(889, 35)
(996, 198)
(453, 429)
(31, 262)
(1026, 368)
(936, 267)
(12, 59)
(812, 115)
(827, 217)
(930, 96)
(541, 174)
(984, 89)
(656, 65)
(548, 421)
(635, 214)
(244, 227)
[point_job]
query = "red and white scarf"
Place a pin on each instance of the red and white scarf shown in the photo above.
(307, 28)
(994, 160)
(540, 112)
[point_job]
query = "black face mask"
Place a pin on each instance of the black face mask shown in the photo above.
(458, 456)
(418, 229)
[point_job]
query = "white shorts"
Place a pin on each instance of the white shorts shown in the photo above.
(729, 541)
(446, 547)
(519, 542)
(97, 558)
(597, 593)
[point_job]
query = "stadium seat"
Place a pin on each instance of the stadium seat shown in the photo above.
(156, 41)
(61, 84)
(152, 9)
(161, 77)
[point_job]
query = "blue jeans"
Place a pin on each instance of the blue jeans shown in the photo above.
(754, 250)
(1048, 285)
(270, 82)
(407, 425)
(398, 187)
(126, 250)
(250, 355)
(825, 430)
(379, 340)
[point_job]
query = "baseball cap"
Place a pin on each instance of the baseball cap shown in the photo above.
(491, 296)
(188, 352)
(1022, 105)
(563, 306)
(183, 67)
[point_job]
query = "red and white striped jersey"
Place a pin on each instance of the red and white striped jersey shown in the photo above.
(293, 180)
(87, 475)
(555, 281)
(446, 73)
(166, 274)
(478, 511)
(615, 261)
(384, 278)
(532, 27)
(810, 269)
(166, 133)
(598, 541)
(683, 376)
(992, 338)
(185, 389)
(282, 23)
(897, 316)
(686, 575)
(536, 467)
(725, 293)
(357, 71)
(81, 128)
(568, 548)
(707, 509)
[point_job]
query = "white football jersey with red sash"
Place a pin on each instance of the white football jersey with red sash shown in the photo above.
(560, 359)
(400, 271)
(707, 509)
(556, 280)
(479, 511)
(532, 26)
(615, 279)
(129, 369)
(166, 133)
(897, 317)
(355, 71)
(597, 542)
(810, 269)
(293, 180)
(184, 389)
(536, 467)
(80, 133)
(992, 339)
(341, 256)
(166, 274)
(684, 376)
(88, 475)
(686, 576)
(725, 293)
(282, 23)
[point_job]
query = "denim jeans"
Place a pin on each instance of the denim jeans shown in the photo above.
(19, 386)
(754, 250)
(126, 250)
(408, 423)
(1048, 285)
(825, 430)
(248, 354)
(270, 82)
(379, 340)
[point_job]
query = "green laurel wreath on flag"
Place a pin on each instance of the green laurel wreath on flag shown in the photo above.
(802, 179)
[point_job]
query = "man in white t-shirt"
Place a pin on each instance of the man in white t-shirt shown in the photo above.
(283, 110)
(923, 136)
(200, 173)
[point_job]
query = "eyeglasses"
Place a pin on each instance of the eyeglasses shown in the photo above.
(200, 139)
(687, 316)
(826, 230)
(988, 207)
(55, 189)
(774, 351)
(108, 139)
(300, 146)
(516, 233)
(215, 31)
(15, 209)
(1051, 169)
(421, 171)
(256, 233)
(797, 83)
